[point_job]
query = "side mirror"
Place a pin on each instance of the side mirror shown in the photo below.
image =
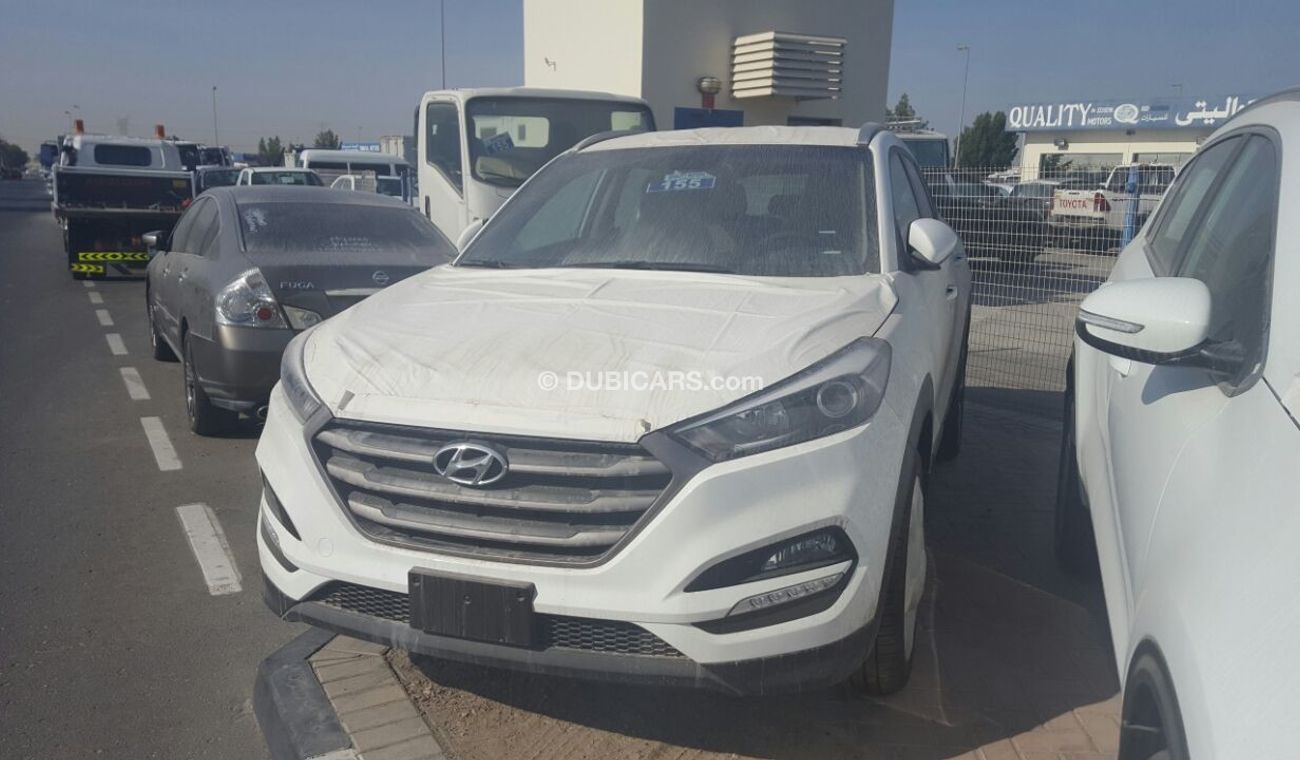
(1161, 320)
(152, 241)
(467, 234)
(932, 241)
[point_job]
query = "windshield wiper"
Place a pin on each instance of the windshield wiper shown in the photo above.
(658, 266)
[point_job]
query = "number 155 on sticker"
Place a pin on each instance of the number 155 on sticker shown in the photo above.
(682, 181)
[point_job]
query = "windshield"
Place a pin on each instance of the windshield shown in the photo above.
(511, 138)
(783, 211)
(285, 178)
(389, 186)
(221, 178)
(930, 152)
(339, 228)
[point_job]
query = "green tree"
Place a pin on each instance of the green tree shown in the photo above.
(327, 139)
(987, 144)
(12, 156)
(904, 112)
(270, 151)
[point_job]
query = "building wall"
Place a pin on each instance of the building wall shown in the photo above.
(590, 45)
(1037, 144)
(657, 49)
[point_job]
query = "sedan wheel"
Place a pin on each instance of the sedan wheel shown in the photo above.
(158, 347)
(204, 417)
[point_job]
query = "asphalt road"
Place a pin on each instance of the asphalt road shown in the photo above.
(111, 645)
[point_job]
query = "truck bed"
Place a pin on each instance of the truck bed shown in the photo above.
(93, 191)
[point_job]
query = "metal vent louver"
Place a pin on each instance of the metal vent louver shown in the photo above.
(782, 64)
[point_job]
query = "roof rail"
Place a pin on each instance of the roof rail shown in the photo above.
(591, 140)
(1290, 93)
(868, 132)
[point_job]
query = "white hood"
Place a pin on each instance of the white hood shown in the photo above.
(467, 349)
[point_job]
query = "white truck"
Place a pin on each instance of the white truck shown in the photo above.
(1099, 214)
(477, 145)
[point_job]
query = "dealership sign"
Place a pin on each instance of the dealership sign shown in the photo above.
(1162, 113)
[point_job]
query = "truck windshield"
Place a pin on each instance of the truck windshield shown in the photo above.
(762, 210)
(511, 138)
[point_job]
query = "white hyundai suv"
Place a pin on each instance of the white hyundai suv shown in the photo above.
(1182, 448)
(667, 419)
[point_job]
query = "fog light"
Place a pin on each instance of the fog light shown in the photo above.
(814, 549)
(785, 595)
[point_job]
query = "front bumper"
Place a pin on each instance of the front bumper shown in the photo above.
(238, 366)
(849, 480)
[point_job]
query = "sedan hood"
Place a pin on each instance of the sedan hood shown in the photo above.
(579, 353)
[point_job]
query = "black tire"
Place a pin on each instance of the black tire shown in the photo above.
(889, 661)
(157, 345)
(1073, 540)
(1152, 725)
(204, 418)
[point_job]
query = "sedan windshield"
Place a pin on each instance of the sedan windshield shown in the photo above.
(338, 228)
(765, 210)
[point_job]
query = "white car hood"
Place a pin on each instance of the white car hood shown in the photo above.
(469, 349)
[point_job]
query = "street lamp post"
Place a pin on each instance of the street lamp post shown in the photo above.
(442, 40)
(961, 120)
(216, 139)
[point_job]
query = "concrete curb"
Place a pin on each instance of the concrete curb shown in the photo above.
(326, 697)
(296, 717)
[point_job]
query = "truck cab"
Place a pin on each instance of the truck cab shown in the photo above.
(477, 145)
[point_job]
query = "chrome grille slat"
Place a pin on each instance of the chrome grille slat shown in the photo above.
(447, 523)
(560, 500)
(423, 485)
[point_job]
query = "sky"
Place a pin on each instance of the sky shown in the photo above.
(359, 68)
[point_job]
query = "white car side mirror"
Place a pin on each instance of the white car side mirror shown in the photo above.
(467, 234)
(932, 241)
(1161, 320)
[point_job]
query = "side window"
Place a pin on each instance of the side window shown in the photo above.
(1231, 250)
(181, 233)
(920, 190)
(906, 209)
(208, 243)
(1186, 196)
(442, 140)
(205, 217)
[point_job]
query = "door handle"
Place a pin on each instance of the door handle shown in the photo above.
(950, 292)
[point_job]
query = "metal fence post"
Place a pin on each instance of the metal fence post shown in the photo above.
(1131, 214)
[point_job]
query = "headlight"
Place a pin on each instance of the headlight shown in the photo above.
(841, 391)
(298, 392)
(249, 302)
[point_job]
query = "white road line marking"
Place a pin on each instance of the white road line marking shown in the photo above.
(88, 283)
(105, 319)
(163, 452)
(134, 384)
(208, 542)
(115, 344)
(96, 297)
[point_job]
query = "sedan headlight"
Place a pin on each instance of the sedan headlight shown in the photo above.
(297, 390)
(837, 393)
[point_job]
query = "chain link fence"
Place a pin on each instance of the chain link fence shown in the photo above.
(1037, 246)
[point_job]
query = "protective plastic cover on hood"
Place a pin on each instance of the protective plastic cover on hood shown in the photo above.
(579, 353)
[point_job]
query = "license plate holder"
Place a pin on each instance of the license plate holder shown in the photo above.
(467, 607)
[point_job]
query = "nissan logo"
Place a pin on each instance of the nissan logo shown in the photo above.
(380, 277)
(470, 464)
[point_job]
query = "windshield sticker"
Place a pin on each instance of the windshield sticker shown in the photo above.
(680, 180)
(254, 219)
(498, 143)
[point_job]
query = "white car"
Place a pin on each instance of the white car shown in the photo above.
(278, 175)
(667, 419)
(1182, 448)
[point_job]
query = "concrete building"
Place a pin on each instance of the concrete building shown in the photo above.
(1093, 134)
(718, 62)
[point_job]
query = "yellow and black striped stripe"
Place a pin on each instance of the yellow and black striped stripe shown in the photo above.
(112, 256)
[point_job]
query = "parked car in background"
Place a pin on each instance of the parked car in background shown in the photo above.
(478, 145)
(387, 174)
(930, 148)
(208, 177)
(1180, 450)
(429, 437)
(247, 268)
(276, 175)
(989, 222)
(1099, 214)
(368, 183)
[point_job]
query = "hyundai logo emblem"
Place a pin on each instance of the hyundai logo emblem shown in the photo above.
(380, 277)
(470, 464)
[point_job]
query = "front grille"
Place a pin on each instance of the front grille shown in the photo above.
(554, 631)
(560, 501)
